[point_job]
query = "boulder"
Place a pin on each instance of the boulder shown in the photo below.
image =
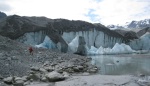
(42, 70)
(8, 80)
(65, 74)
(54, 76)
(19, 82)
(34, 68)
(35, 77)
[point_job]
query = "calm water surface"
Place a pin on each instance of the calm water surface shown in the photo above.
(123, 64)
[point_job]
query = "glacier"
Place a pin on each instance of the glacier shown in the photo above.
(143, 43)
(116, 49)
(96, 42)
(93, 38)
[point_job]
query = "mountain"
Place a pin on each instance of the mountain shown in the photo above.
(139, 24)
(112, 27)
(132, 25)
(2, 15)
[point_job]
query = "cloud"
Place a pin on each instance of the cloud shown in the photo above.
(103, 11)
(4, 6)
(121, 11)
(69, 9)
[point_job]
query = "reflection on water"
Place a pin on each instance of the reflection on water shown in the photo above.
(123, 64)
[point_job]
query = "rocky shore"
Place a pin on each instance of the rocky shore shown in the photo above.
(19, 68)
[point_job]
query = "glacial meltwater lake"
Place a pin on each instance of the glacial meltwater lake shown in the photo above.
(126, 64)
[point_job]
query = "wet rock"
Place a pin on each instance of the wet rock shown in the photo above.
(54, 76)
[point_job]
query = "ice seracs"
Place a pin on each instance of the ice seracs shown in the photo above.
(117, 49)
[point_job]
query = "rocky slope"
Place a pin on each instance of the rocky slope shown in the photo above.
(15, 60)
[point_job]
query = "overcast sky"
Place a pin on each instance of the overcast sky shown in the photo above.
(94, 11)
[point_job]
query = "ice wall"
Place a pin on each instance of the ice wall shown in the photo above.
(93, 38)
(143, 43)
(32, 38)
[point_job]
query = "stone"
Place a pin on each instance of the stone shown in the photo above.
(42, 70)
(66, 75)
(54, 76)
(49, 69)
(26, 83)
(46, 63)
(14, 58)
(34, 68)
(92, 71)
(19, 83)
(1, 77)
(8, 80)
(35, 77)
(44, 79)
(25, 78)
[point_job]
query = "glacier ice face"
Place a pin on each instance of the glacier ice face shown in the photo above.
(143, 43)
(117, 49)
(47, 43)
(32, 38)
(92, 38)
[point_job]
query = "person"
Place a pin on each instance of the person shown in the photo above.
(31, 50)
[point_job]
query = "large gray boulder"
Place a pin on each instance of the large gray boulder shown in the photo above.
(8, 80)
(54, 76)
